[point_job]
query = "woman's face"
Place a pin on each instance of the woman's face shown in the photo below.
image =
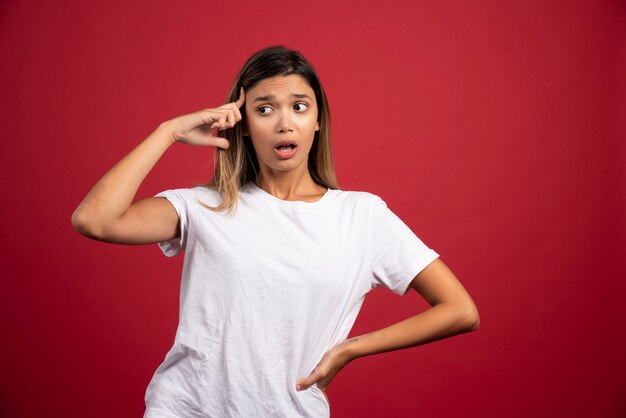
(281, 117)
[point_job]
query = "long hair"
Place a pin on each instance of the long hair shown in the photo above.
(237, 165)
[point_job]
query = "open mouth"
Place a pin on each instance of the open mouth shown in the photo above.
(286, 149)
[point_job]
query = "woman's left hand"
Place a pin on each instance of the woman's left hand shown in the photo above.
(326, 370)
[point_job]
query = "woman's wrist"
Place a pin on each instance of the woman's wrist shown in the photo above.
(349, 349)
(165, 131)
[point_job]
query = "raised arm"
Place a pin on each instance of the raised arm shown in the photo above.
(108, 212)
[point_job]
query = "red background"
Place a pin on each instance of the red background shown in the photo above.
(494, 129)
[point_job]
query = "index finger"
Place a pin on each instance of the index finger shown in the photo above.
(242, 98)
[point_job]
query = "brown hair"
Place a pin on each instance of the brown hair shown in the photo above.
(238, 164)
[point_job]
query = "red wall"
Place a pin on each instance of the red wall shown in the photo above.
(495, 129)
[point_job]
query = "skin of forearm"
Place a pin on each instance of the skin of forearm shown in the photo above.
(438, 322)
(114, 192)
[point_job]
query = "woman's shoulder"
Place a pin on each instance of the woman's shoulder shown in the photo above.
(357, 197)
(193, 195)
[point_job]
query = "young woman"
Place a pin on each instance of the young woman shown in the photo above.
(278, 260)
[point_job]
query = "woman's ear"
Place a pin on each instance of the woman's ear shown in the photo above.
(317, 126)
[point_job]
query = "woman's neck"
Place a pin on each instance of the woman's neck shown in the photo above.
(290, 185)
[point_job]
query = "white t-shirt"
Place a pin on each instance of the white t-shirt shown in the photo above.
(267, 291)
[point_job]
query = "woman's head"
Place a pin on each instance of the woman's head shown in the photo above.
(277, 67)
(281, 121)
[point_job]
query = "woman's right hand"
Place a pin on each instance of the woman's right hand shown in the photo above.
(197, 128)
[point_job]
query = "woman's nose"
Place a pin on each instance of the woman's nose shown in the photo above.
(285, 123)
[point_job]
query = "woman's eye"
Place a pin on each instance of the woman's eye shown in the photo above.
(261, 108)
(304, 106)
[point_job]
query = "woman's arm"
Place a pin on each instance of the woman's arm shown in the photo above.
(108, 212)
(452, 312)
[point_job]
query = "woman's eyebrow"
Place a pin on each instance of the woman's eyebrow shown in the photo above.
(272, 97)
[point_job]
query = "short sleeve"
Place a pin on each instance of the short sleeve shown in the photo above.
(178, 199)
(397, 254)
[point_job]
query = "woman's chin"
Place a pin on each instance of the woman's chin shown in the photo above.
(286, 165)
